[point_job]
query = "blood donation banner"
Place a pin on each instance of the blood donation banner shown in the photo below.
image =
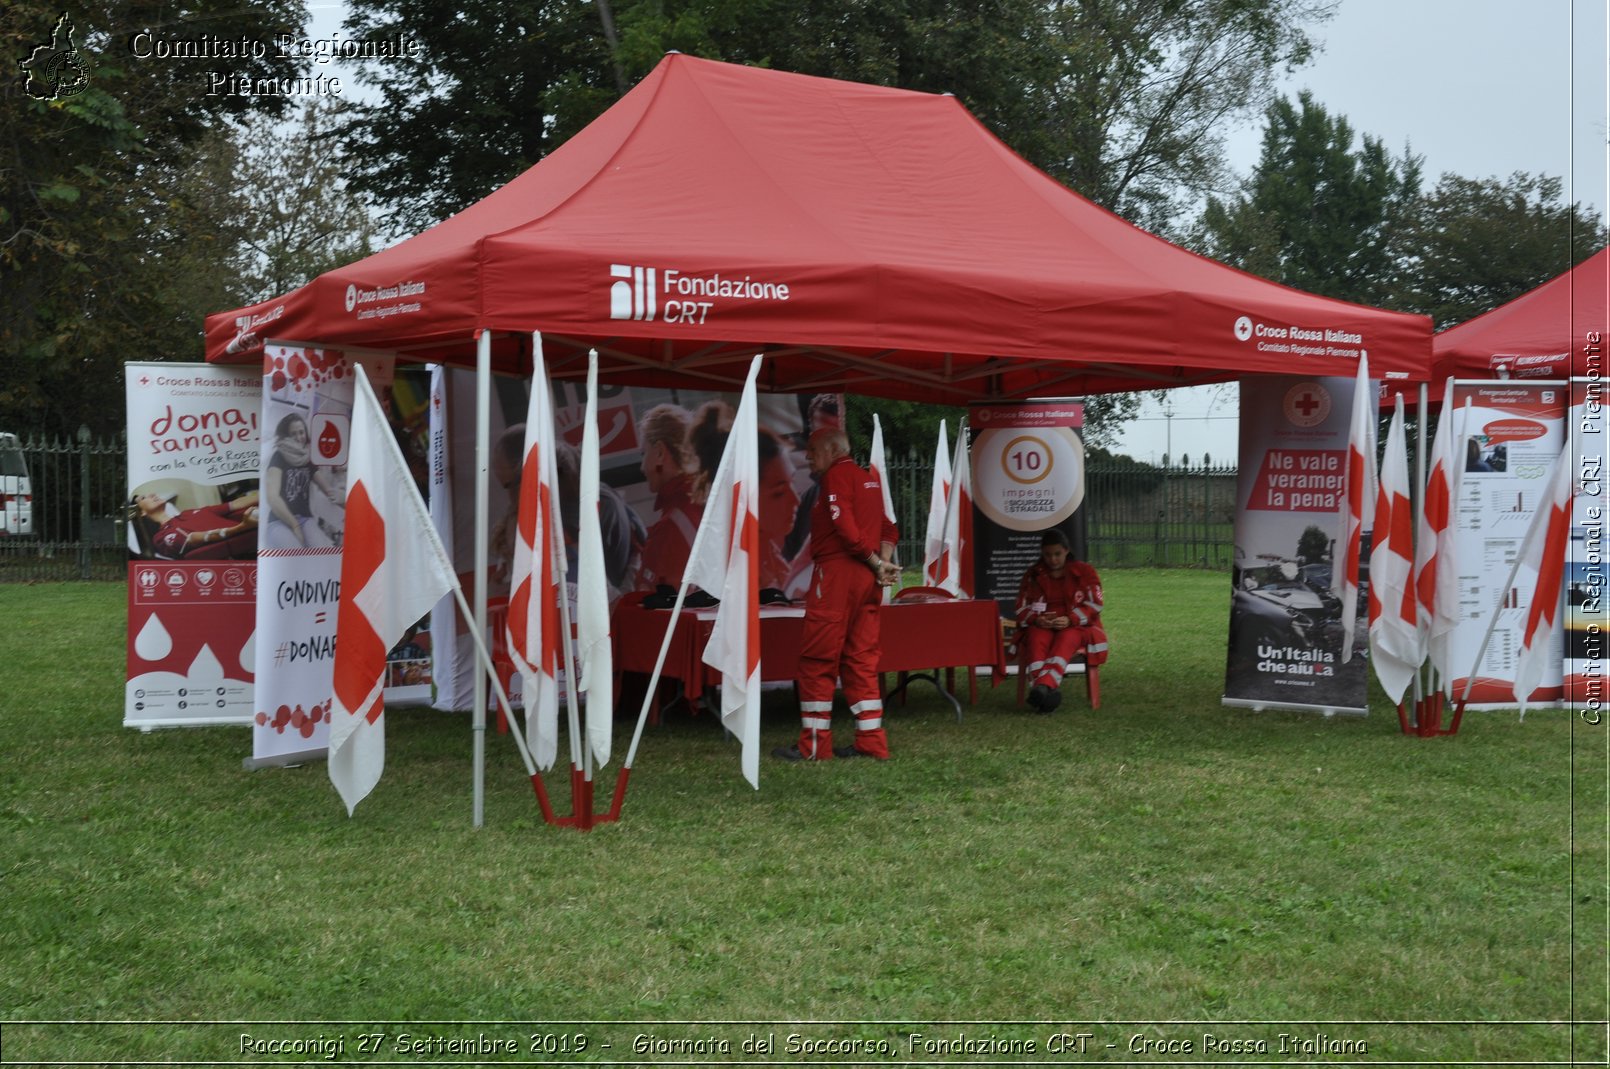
(1286, 622)
(193, 511)
(1512, 432)
(1587, 618)
(1028, 476)
(306, 398)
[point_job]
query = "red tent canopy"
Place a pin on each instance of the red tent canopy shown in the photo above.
(1543, 334)
(871, 240)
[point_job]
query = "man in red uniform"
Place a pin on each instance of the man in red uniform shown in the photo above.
(1059, 617)
(852, 544)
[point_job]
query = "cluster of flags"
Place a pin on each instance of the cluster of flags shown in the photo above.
(395, 569)
(1413, 593)
(948, 544)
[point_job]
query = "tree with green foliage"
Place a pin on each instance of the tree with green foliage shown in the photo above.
(1318, 213)
(1146, 89)
(97, 256)
(1481, 242)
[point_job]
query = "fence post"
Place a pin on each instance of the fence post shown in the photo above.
(83, 501)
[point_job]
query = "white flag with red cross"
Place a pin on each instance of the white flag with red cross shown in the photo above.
(1395, 646)
(393, 570)
(1542, 555)
(726, 558)
(933, 546)
(534, 583)
(1356, 501)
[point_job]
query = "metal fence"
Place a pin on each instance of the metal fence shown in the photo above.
(1137, 516)
(80, 513)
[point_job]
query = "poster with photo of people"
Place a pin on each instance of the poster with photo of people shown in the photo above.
(659, 449)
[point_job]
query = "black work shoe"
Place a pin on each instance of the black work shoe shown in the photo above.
(1037, 696)
(848, 751)
(788, 753)
(1052, 699)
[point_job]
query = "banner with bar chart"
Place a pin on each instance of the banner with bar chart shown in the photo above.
(1511, 434)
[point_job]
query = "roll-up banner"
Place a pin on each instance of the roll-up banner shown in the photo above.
(1587, 617)
(658, 448)
(1028, 476)
(307, 397)
(1286, 622)
(1512, 432)
(193, 512)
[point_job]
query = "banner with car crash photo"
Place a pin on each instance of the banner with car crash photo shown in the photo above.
(1286, 623)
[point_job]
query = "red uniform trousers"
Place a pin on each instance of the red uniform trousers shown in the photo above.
(840, 642)
(1050, 651)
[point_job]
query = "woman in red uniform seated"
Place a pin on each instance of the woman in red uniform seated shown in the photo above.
(1059, 617)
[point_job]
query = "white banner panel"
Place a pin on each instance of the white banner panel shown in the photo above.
(1512, 433)
(307, 410)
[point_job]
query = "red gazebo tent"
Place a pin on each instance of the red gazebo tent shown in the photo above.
(1547, 333)
(866, 239)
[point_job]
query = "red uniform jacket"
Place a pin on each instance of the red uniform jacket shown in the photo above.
(1077, 595)
(847, 519)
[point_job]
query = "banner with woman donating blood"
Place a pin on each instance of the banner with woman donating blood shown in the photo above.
(192, 514)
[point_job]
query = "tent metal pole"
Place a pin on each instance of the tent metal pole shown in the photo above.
(483, 419)
(1421, 710)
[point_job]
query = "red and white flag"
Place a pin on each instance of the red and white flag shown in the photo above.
(1395, 646)
(725, 558)
(393, 570)
(957, 568)
(592, 588)
(933, 546)
(1354, 508)
(880, 468)
(534, 584)
(1542, 555)
(1436, 577)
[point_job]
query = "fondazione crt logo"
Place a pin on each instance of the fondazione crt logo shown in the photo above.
(670, 295)
(56, 69)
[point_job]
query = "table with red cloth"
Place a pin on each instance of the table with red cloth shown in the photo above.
(915, 636)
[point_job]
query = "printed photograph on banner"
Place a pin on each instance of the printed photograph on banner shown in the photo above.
(1286, 623)
(659, 449)
(307, 420)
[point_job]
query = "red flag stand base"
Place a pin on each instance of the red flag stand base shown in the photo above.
(1428, 718)
(582, 816)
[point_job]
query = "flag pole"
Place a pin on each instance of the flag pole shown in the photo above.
(625, 772)
(1422, 711)
(559, 561)
(485, 662)
(700, 534)
(1492, 625)
(477, 619)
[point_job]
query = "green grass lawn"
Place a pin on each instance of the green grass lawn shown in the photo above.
(1161, 859)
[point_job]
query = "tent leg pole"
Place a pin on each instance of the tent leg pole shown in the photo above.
(483, 420)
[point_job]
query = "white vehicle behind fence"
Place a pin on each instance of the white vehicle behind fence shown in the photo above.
(16, 491)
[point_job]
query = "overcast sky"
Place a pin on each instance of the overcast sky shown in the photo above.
(1482, 88)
